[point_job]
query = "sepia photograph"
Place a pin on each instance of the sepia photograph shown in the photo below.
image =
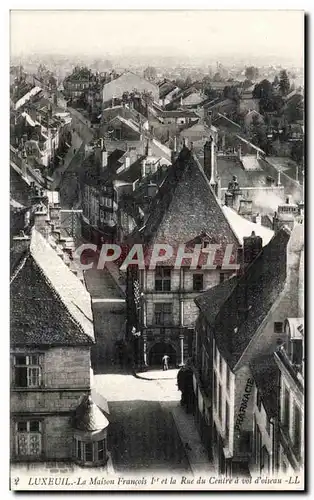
(157, 178)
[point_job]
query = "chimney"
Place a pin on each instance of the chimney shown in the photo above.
(104, 159)
(288, 199)
(175, 144)
(209, 160)
(258, 219)
(143, 165)
(245, 207)
(210, 118)
(127, 162)
(148, 148)
(297, 174)
(20, 244)
(218, 188)
(228, 199)
(278, 178)
(240, 153)
(252, 246)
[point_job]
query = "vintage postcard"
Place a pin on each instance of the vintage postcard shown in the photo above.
(157, 250)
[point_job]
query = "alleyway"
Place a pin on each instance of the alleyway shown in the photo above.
(144, 435)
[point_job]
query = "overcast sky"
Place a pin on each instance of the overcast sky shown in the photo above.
(191, 33)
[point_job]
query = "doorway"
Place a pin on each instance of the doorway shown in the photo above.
(158, 351)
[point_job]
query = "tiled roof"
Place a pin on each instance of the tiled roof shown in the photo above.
(49, 304)
(265, 372)
(186, 206)
(211, 301)
(251, 300)
(88, 417)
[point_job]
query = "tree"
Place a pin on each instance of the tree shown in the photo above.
(251, 73)
(294, 110)
(217, 77)
(210, 93)
(258, 133)
(231, 92)
(284, 83)
(297, 152)
(276, 81)
(150, 73)
(188, 82)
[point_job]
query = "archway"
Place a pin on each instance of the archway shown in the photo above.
(157, 352)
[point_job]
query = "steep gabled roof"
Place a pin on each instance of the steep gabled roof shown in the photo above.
(49, 304)
(251, 300)
(212, 300)
(186, 206)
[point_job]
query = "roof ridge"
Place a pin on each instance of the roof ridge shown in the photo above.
(19, 266)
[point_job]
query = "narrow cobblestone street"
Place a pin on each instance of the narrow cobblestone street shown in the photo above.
(144, 435)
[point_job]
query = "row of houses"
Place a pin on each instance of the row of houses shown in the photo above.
(249, 364)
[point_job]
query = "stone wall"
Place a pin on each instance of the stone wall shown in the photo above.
(65, 377)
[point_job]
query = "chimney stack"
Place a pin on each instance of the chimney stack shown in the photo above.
(209, 160)
(143, 165)
(252, 246)
(297, 173)
(210, 118)
(240, 153)
(278, 179)
(148, 148)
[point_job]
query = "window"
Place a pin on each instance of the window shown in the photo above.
(162, 279)
(197, 282)
(28, 438)
(221, 361)
(258, 400)
(278, 327)
(296, 352)
(297, 431)
(214, 389)
(286, 408)
(222, 277)
(227, 421)
(101, 449)
(27, 370)
(148, 168)
(91, 451)
(267, 426)
(265, 460)
(163, 313)
(88, 452)
(220, 401)
(228, 377)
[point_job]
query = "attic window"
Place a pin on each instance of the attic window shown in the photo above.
(205, 244)
(278, 327)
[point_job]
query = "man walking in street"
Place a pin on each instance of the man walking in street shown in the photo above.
(165, 361)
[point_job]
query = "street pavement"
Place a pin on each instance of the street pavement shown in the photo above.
(148, 429)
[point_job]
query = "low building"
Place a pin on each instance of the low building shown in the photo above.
(52, 414)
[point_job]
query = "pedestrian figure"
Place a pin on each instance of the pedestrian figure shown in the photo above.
(165, 361)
